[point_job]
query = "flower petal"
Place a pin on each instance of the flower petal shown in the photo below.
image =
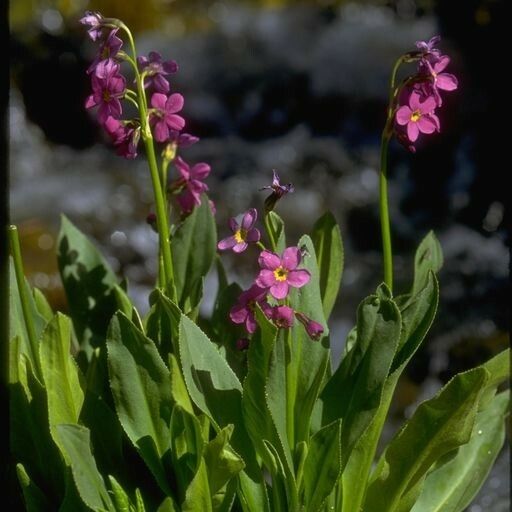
(279, 290)
(158, 100)
(253, 235)
(291, 258)
(447, 82)
(183, 168)
(426, 125)
(298, 278)
(250, 322)
(233, 224)
(265, 278)
(238, 314)
(226, 243)
(175, 122)
(174, 103)
(89, 102)
(240, 247)
(161, 131)
(269, 260)
(200, 171)
(403, 115)
(161, 84)
(412, 131)
(441, 63)
(249, 219)
(414, 100)
(428, 105)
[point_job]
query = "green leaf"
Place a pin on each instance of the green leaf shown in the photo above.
(328, 245)
(34, 498)
(438, 426)
(88, 281)
(141, 387)
(178, 387)
(222, 462)
(167, 506)
(42, 305)
(61, 374)
(499, 370)
(193, 250)
(309, 358)
(119, 496)
(277, 226)
(322, 466)
(354, 391)
(429, 257)
(17, 325)
(76, 449)
(197, 498)
(452, 486)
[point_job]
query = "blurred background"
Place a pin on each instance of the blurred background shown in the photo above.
(300, 87)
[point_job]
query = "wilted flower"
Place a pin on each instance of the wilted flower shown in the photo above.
(243, 234)
(125, 136)
(94, 20)
(278, 191)
(243, 311)
(279, 273)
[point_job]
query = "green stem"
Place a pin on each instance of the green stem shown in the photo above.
(270, 232)
(290, 390)
(384, 213)
(14, 243)
(160, 203)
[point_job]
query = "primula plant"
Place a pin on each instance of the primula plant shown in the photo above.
(112, 411)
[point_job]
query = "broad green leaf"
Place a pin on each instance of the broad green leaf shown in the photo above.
(141, 387)
(61, 374)
(34, 498)
(221, 461)
(452, 486)
(328, 245)
(88, 281)
(438, 426)
(42, 305)
(17, 325)
(354, 391)
(310, 359)
(197, 498)
(193, 249)
(167, 506)
(322, 466)
(499, 370)
(429, 257)
(178, 388)
(76, 449)
(72, 501)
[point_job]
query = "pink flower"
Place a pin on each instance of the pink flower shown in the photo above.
(108, 50)
(278, 274)
(191, 180)
(164, 115)
(242, 234)
(282, 316)
(107, 92)
(439, 81)
(278, 191)
(243, 311)
(155, 70)
(418, 116)
(125, 136)
(428, 47)
(314, 329)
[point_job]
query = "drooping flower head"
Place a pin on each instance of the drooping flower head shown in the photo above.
(437, 79)
(108, 50)
(107, 92)
(243, 233)
(125, 136)
(164, 116)
(93, 20)
(243, 311)
(277, 274)
(429, 47)
(314, 329)
(155, 70)
(418, 116)
(278, 191)
(191, 182)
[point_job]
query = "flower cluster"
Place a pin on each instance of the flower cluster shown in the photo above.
(277, 274)
(163, 117)
(419, 97)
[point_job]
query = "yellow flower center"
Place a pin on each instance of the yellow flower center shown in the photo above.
(106, 95)
(415, 116)
(280, 274)
(240, 235)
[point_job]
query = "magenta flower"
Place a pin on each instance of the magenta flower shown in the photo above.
(314, 329)
(278, 191)
(418, 116)
(108, 50)
(278, 274)
(243, 311)
(164, 115)
(438, 80)
(107, 92)
(94, 20)
(282, 316)
(155, 69)
(191, 181)
(428, 47)
(125, 136)
(243, 234)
